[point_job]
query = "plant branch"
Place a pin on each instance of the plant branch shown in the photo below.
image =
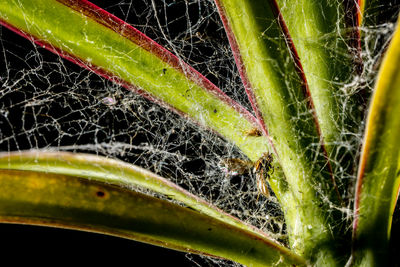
(115, 50)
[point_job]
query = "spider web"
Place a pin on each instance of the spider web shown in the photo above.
(47, 102)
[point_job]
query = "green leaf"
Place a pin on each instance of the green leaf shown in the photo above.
(320, 34)
(277, 88)
(42, 198)
(117, 51)
(111, 171)
(378, 179)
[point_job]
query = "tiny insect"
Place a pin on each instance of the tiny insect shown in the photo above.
(262, 169)
(253, 132)
(235, 166)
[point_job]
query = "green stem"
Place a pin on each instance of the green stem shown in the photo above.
(117, 51)
(280, 100)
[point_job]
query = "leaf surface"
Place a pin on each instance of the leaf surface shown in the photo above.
(42, 198)
(276, 85)
(110, 171)
(321, 32)
(378, 179)
(115, 50)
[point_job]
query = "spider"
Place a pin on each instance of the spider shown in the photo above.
(262, 169)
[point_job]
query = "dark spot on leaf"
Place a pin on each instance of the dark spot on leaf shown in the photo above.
(215, 110)
(164, 71)
(100, 194)
(209, 229)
